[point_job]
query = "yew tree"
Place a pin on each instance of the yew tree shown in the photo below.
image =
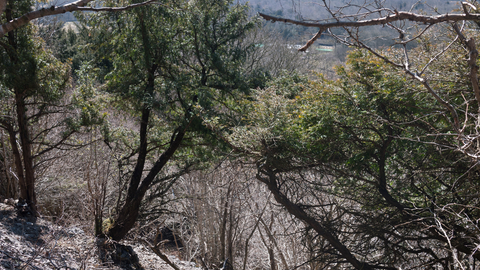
(34, 85)
(380, 165)
(169, 62)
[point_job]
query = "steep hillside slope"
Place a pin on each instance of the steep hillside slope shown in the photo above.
(29, 244)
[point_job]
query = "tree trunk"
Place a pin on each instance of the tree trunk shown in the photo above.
(27, 187)
(271, 181)
(129, 213)
(223, 227)
(125, 219)
(27, 184)
(17, 160)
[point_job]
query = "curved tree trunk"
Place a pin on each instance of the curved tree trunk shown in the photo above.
(271, 181)
(129, 213)
(137, 187)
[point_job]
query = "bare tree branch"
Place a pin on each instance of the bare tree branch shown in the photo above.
(53, 10)
(311, 41)
(437, 56)
(397, 16)
(155, 248)
(114, 9)
(465, 6)
(472, 60)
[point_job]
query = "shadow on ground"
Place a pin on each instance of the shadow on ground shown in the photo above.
(120, 255)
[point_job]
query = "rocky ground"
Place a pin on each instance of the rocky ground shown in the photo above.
(26, 243)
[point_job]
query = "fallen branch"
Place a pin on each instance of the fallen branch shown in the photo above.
(162, 256)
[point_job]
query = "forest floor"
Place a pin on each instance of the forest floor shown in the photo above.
(27, 244)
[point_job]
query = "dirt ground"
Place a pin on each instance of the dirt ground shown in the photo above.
(28, 243)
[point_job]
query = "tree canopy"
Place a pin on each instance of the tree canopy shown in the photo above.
(380, 163)
(377, 165)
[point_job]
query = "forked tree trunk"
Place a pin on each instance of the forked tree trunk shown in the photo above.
(125, 219)
(128, 214)
(137, 187)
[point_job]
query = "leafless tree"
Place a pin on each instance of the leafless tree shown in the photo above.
(227, 216)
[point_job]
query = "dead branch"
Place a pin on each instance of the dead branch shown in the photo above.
(398, 16)
(115, 9)
(446, 104)
(311, 41)
(466, 5)
(472, 60)
(164, 257)
(53, 10)
(437, 56)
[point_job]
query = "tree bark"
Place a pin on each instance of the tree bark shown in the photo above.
(223, 227)
(17, 159)
(130, 210)
(27, 187)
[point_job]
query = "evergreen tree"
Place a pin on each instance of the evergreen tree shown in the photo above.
(170, 62)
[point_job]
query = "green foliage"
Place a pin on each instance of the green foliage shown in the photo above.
(89, 101)
(44, 79)
(18, 63)
(181, 60)
(66, 42)
(164, 66)
(52, 75)
(26, 64)
(376, 139)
